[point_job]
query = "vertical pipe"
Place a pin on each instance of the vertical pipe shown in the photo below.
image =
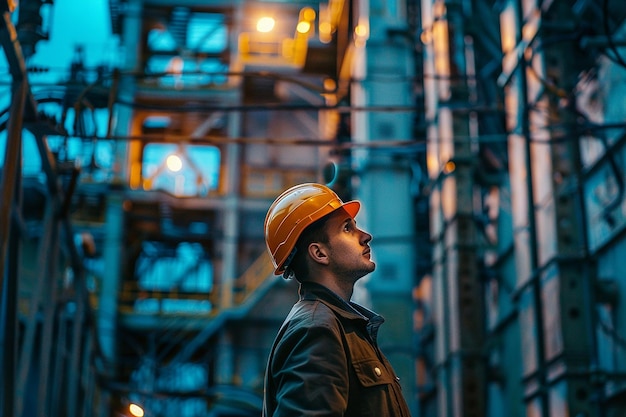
(49, 316)
(231, 214)
(9, 245)
(224, 367)
(532, 230)
(12, 158)
(28, 341)
(13, 266)
(88, 379)
(74, 380)
(112, 253)
(125, 151)
(524, 221)
(58, 407)
(232, 186)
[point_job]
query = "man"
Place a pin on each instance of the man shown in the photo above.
(325, 360)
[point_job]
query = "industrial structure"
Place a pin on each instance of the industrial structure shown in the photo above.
(485, 138)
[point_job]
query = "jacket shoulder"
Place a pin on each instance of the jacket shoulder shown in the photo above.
(313, 313)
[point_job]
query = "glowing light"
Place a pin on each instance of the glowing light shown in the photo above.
(135, 410)
(174, 163)
(449, 167)
(265, 24)
(308, 14)
(303, 27)
(325, 28)
(330, 84)
(175, 66)
(361, 30)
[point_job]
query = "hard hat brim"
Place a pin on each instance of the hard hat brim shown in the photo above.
(352, 207)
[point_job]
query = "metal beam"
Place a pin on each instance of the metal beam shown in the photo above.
(22, 107)
(26, 359)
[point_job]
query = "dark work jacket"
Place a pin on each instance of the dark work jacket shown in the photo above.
(325, 362)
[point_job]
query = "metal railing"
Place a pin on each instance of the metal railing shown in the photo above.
(133, 299)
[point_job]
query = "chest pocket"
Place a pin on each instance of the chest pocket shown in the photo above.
(371, 373)
(370, 394)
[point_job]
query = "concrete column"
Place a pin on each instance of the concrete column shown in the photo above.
(384, 62)
(459, 315)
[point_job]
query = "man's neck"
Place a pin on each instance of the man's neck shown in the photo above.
(341, 288)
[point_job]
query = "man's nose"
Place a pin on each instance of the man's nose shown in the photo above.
(365, 237)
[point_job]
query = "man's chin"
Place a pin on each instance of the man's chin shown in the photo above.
(366, 271)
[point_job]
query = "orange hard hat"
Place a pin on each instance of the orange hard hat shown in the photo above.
(294, 210)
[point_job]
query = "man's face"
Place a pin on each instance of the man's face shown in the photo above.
(348, 247)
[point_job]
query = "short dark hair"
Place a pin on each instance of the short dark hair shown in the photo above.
(315, 232)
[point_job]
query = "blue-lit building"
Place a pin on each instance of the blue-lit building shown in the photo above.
(485, 138)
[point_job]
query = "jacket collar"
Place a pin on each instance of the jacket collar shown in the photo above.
(351, 310)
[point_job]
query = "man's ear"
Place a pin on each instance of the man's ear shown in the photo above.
(318, 254)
